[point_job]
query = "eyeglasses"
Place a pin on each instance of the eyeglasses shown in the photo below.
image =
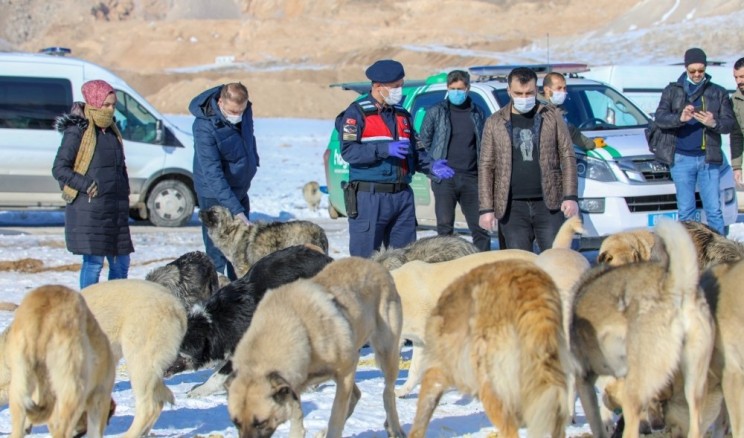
(696, 71)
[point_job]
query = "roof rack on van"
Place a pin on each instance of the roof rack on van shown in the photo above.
(56, 51)
(500, 72)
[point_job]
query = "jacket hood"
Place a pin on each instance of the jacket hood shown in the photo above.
(204, 105)
(65, 121)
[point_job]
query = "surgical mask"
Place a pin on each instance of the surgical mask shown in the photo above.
(524, 104)
(457, 97)
(394, 95)
(558, 97)
(230, 118)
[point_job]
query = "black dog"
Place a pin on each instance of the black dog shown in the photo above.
(192, 278)
(214, 329)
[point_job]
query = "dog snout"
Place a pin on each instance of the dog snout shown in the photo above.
(180, 365)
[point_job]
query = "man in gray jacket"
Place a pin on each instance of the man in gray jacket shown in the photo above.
(452, 131)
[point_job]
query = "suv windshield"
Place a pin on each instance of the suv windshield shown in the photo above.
(594, 107)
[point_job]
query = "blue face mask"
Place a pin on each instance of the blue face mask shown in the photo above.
(457, 97)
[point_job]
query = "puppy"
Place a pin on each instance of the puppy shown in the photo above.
(312, 195)
(191, 277)
(624, 316)
(496, 332)
(56, 365)
(215, 328)
(145, 324)
(431, 249)
(420, 284)
(245, 244)
(310, 331)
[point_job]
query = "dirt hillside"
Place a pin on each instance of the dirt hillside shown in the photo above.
(289, 51)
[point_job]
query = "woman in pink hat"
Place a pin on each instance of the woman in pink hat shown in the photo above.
(91, 171)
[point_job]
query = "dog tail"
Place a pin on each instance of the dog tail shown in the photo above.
(683, 274)
(566, 233)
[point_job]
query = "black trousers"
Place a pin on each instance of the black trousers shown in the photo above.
(529, 220)
(462, 189)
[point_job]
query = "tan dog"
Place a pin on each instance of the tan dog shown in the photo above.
(312, 195)
(644, 321)
(145, 324)
(56, 365)
(723, 289)
(420, 284)
(626, 247)
(245, 244)
(497, 333)
(310, 331)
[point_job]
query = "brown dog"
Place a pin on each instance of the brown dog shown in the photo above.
(644, 321)
(497, 332)
(626, 247)
(56, 365)
(310, 331)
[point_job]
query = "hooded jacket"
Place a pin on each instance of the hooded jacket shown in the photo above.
(97, 225)
(225, 155)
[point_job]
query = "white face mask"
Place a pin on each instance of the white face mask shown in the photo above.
(558, 97)
(230, 118)
(394, 95)
(524, 104)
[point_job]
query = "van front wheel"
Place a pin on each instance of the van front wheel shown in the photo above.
(170, 204)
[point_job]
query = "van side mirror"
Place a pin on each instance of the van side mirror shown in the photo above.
(159, 132)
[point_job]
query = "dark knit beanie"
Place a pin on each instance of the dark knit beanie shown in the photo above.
(695, 56)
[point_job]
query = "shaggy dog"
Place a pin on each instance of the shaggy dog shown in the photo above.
(644, 322)
(626, 247)
(56, 365)
(307, 332)
(145, 324)
(497, 333)
(312, 195)
(420, 284)
(431, 249)
(244, 244)
(191, 277)
(215, 328)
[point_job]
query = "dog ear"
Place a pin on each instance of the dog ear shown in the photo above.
(282, 391)
(604, 257)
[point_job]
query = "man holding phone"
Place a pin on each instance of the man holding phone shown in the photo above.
(693, 113)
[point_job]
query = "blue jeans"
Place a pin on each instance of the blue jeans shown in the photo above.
(221, 264)
(93, 264)
(689, 172)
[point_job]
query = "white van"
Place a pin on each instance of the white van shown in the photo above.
(36, 88)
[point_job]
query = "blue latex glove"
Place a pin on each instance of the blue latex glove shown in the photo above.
(398, 149)
(441, 170)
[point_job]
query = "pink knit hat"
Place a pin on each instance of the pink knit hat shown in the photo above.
(96, 91)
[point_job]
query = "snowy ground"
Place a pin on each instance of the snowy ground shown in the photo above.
(291, 154)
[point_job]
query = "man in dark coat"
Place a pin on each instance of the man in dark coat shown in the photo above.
(90, 166)
(225, 156)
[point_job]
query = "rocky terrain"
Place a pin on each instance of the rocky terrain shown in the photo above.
(289, 51)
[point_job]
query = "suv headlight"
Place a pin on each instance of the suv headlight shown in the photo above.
(592, 205)
(592, 168)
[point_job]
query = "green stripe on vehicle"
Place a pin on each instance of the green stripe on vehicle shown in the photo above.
(612, 151)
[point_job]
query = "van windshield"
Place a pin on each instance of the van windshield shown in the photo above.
(595, 107)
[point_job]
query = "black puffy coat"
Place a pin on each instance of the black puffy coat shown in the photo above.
(98, 225)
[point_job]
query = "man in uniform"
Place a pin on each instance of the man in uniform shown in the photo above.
(379, 144)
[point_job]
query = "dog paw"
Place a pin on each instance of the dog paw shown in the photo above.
(402, 392)
(321, 434)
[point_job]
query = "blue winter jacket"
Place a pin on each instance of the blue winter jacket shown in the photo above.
(225, 157)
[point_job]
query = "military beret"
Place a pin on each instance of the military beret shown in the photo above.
(385, 71)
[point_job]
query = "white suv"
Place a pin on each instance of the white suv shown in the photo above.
(621, 186)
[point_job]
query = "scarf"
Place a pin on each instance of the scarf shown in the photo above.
(97, 118)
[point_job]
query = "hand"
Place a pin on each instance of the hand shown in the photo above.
(487, 221)
(243, 218)
(398, 149)
(92, 190)
(687, 113)
(737, 176)
(441, 170)
(706, 118)
(569, 208)
(599, 142)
